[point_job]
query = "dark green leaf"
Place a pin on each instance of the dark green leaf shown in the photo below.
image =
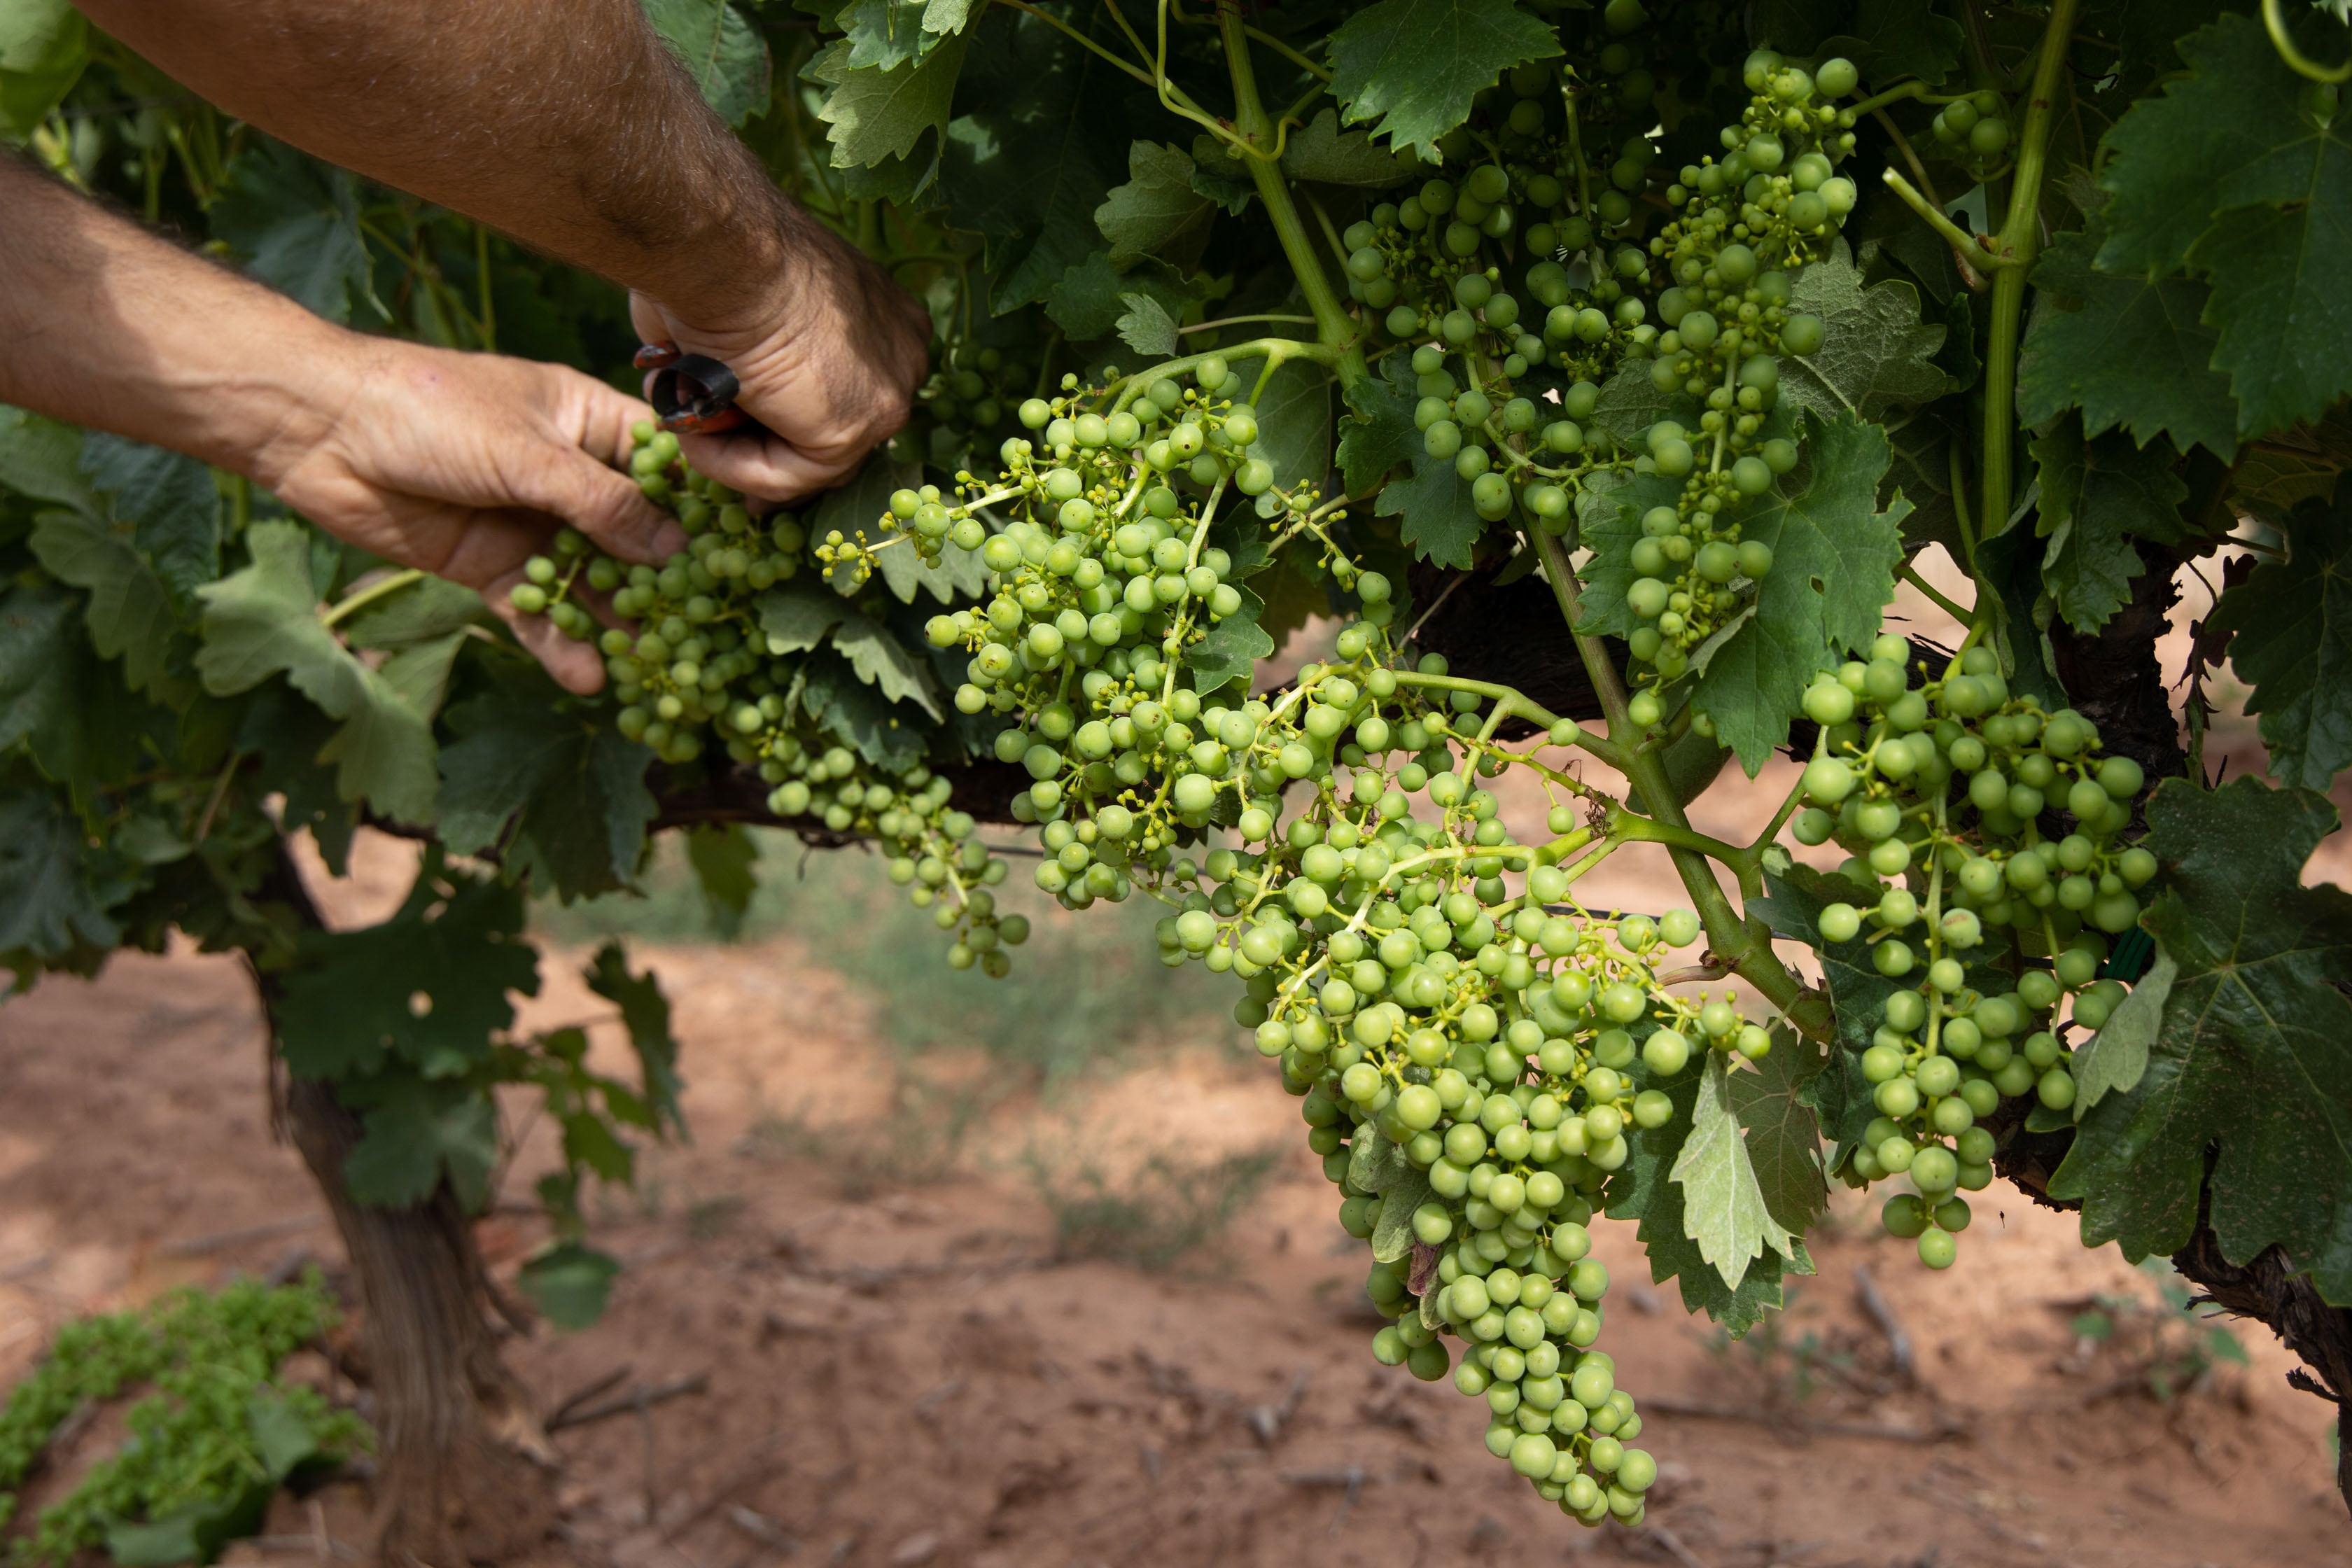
(1895, 40)
(419, 1132)
(171, 504)
(720, 50)
(2096, 496)
(427, 988)
(645, 1011)
(1783, 1133)
(570, 1283)
(264, 621)
(1327, 156)
(2241, 138)
(1157, 211)
(2130, 352)
(296, 222)
(2247, 1071)
(1413, 66)
(722, 859)
(130, 609)
(1379, 433)
(1834, 555)
(1294, 417)
(49, 900)
(1441, 523)
(2293, 625)
(1233, 647)
(562, 797)
(877, 115)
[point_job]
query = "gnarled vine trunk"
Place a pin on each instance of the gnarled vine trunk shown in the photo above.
(465, 1470)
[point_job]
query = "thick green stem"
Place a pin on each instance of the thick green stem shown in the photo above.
(1746, 945)
(1336, 330)
(2019, 242)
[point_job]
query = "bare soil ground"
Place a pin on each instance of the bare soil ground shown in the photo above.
(905, 1344)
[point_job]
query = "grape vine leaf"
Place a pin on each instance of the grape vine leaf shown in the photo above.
(1156, 210)
(1608, 521)
(1834, 555)
(722, 859)
(170, 502)
(44, 47)
(49, 902)
(1222, 174)
(877, 115)
(295, 223)
(1393, 1236)
(1724, 1211)
(1233, 647)
(1375, 1164)
(561, 797)
(129, 614)
(1039, 153)
(1784, 1130)
(1088, 300)
(855, 509)
(1327, 156)
(2237, 139)
(1441, 524)
(40, 459)
(1413, 66)
(41, 662)
(2131, 351)
(2117, 1057)
(1147, 326)
(263, 620)
(1643, 1190)
(2098, 495)
(1294, 424)
(856, 713)
(417, 1131)
(724, 53)
(1378, 432)
(1876, 354)
(569, 1282)
(1795, 895)
(888, 32)
(801, 615)
(645, 1012)
(347, 1008)
(2248, 1072)
(2293, 621)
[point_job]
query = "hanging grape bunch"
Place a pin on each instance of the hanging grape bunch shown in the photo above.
(1941, 786)
(698, 673)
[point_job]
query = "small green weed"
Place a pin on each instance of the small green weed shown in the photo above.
(1153, 1219)
(2175, 1347)
(207, 1448)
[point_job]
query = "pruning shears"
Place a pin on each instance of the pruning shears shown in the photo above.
(692, 392)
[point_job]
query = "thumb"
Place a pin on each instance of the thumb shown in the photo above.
(606, 505)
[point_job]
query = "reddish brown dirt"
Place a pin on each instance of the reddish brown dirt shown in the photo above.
(905, 1373)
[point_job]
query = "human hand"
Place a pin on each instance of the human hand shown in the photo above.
(828, 355)
(466, 465)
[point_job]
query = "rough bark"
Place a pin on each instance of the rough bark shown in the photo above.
(465, 1472)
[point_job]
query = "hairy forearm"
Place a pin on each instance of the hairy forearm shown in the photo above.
(563, 123)
(108, 326)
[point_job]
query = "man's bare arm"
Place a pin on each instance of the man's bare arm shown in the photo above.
(566, 124)
(461, 464)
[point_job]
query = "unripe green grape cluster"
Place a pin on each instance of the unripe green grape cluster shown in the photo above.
(697, 674)
(1941, 786)
(1746, 226)
(967, 402)
(1974, 130)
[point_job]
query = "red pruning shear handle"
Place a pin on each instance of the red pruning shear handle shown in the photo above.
(692, 392)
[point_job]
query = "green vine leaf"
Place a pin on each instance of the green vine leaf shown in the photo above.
(1157, 210)
(1784, 1130)
(2293, 625)
(296, 222)
(571, 1283)
(2248, 1072)
(1327, 156)
(2117, 1057)
(264, 621)
(1724, 1211)
(877, 115)
(2097, 496)
(725, 54)
(1834, 558)
(1876, 354)
(2237, 173)
(1413, 66)
(2130, 352)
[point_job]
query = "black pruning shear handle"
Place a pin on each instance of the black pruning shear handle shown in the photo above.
(693, 393)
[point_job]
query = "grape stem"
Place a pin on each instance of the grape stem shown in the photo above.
(1338, 333)
(2303, 65)
(1242, 321)
(1968, 246)
(1949, 606)
(1744, 943)
(2020, 241)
